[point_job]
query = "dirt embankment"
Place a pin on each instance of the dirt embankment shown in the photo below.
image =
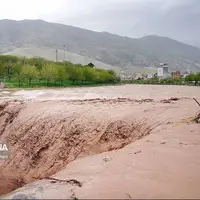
(43, 137)
(49, 129)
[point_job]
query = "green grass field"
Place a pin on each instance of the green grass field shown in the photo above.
(43, 84)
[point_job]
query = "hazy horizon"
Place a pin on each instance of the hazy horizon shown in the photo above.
(176, 19)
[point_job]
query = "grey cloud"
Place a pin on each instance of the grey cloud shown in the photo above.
(178, 19)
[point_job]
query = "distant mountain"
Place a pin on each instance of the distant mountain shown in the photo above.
(128, 54)
(50, 54)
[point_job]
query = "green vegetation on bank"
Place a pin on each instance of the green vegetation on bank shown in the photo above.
(38, 72)
(191, 79)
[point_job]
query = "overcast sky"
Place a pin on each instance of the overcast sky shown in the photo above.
(178, 19)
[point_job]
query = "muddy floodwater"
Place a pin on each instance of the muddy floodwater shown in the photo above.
(123, 91)
(111, 142)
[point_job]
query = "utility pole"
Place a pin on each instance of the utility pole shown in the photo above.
(56, 55)
(64, 52)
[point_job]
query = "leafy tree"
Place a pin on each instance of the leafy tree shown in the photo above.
(75, 73)
(38, 62)
(1, 70)
(79, 74)
(193, 78)
(71, 71)
(77, 65)
(18, 72)
(89, 74)
(23, 68)
(101, 75)
(8, 69)
(49, 73)
(111, 72)
(197, 78)
(154, 80)
(91, 65)
(7, 62)
(61, 74)
(8, 58)
(29, 73)
(190, 77)
(112, 76)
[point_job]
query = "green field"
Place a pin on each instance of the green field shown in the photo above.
(43, 84)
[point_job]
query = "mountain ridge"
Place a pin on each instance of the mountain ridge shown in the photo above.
(119, 51)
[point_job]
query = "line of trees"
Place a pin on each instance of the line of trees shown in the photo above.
(25, 71)
(191, 79)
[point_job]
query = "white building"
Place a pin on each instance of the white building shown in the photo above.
(160, 72)
(163, 72)
(185, 74)
(149, 76)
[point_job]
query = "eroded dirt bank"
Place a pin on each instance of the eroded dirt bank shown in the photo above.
(45, 136)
